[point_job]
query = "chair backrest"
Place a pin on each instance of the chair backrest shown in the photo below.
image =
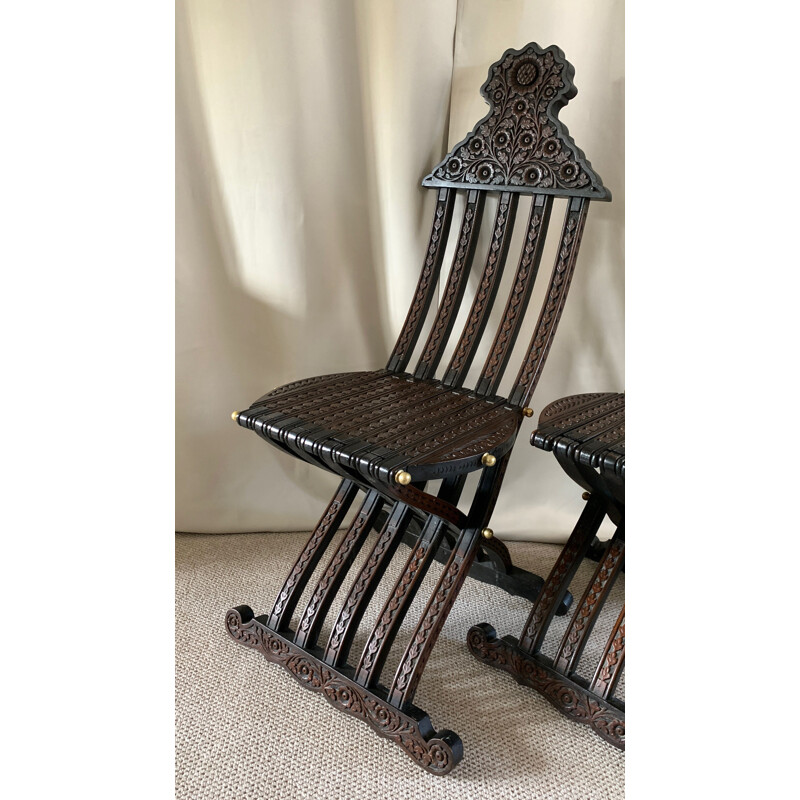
(519, 147)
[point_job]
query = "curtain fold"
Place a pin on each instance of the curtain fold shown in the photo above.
(303, 131)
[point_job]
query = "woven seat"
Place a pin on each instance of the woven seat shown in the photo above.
(377, 423)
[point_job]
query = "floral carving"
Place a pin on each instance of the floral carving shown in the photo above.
(435, 752)
(570, 699)
(521, 143)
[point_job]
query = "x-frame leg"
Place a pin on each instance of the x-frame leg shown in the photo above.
(354, 685)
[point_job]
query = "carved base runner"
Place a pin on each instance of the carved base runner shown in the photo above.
(568, 697)
(435, 752)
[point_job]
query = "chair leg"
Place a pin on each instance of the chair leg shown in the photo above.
(356, 690)
(590, 703)
(493, 565)
(295, 583)
(435, 752)
(415, 658)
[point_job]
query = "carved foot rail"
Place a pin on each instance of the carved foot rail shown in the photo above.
(356, 687)
(567, 695)
(436, 752)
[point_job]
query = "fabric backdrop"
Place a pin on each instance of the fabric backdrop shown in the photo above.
(302, 133)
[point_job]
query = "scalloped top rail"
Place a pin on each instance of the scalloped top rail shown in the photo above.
(520, 145)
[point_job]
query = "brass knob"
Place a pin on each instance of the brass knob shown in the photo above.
(487, 533)
(488, 460)
(235, 416)
(527, 412)
(403, 478)
(585, 496)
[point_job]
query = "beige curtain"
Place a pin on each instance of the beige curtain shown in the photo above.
(303, 131)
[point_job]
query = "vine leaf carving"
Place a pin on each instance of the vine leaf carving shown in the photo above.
(436, 752)
(570, 699)
(521, 144)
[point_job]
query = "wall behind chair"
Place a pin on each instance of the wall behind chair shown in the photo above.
(302, 133)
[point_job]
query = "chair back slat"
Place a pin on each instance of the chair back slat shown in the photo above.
(519, 147)
(456, 284)
(487, 290)
(426, 286)
(519, 296)
(542, 339)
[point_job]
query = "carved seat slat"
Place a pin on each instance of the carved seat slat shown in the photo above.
(388, 432)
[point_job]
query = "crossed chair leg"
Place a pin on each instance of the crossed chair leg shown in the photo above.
(354, 686)
(590, 702)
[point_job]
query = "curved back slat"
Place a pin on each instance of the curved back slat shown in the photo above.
(426, 286)
(456, 284)
(518, 298)
(560, 280)
(487, 290)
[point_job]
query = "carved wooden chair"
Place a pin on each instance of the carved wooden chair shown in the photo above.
(389, 432)
(586, 432)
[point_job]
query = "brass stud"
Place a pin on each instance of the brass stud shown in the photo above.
(403, 478)
(585, 496)
(487, 533)
(488, 460)
(235, 416)
(527, 412)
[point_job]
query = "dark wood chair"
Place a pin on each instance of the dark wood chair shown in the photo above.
(586, 432)
(388, 432)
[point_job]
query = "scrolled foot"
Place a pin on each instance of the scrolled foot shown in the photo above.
(239, 624)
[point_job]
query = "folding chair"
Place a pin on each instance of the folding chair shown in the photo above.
(389, 432)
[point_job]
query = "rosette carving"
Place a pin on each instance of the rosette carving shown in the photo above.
(521, 144)
(436, 752)
(568, 697)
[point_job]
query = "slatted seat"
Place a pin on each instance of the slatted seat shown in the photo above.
(374, 423)
(389, 433)
(588, 429)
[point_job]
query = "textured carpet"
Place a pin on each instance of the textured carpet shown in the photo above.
(246, 729)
